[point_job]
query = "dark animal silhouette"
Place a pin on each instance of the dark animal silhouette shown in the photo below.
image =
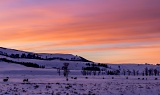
(25, 80)
(75, 77)
(6, 79)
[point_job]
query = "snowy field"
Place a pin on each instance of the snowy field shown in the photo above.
(50, 83)
(46, 81)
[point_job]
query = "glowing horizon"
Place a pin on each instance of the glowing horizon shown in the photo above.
(109, 31)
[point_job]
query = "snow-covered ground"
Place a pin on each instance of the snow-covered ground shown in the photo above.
(48, 82)
(94, 85)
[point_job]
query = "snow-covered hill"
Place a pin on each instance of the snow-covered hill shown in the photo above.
(49, 61)
(43, 56)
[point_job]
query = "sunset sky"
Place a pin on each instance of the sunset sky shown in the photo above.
(110, 31)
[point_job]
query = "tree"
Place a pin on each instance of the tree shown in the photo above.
(155, 72)
(146, 71)
(83, 71)
(150, 72)
(137, 72)
(94, 73)
(66, 70)
(143, 73)
(23, 55)
(124, 72)
(17, 55)
(134, 72)
(12, 56)
(129, 72)
(29, 56)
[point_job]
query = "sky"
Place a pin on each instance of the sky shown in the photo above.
(108, 31)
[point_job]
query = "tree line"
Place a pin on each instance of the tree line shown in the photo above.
(27, 64)
(98, 69)
(36, 56)
(101, 69)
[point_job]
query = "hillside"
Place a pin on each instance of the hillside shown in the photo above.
(55, 61)
(42, 60)
(13, 53)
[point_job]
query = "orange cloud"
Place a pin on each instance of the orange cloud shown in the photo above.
(45, 26)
